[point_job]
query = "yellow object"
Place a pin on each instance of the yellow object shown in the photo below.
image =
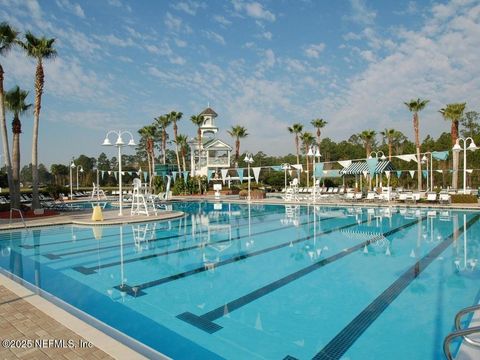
(97, 232)
(97, 213)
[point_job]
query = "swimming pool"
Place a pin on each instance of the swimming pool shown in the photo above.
(266, 281)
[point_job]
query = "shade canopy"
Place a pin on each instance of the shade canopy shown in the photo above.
(360, 167)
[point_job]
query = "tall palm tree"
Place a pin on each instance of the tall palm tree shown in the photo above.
(182, 143)
(296, 129)
(174, 117)
(415, 106)
(15, 103)
(163, 122)
(318, 124)
(307, 140)
(453, 113)
(198, 121)
(8, 38)
(368, 137)
(389, 136)
(148, 135)
(237, 132)
(39, 49)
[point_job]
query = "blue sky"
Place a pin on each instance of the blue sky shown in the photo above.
(261, 64)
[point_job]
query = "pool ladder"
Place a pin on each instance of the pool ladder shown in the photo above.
(21, 216)
(463, 332)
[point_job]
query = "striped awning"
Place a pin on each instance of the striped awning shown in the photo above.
(359, 167)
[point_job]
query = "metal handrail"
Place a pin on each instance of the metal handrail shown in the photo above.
(459, 331)
(455, 334)
(458, 319)
(21, 216)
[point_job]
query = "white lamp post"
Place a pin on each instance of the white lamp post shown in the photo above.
(72, 165)
(81, 170)
(249, 160)
(314, 152)
(285, 167)
(458, 148)
(119, 144)
(429, 173)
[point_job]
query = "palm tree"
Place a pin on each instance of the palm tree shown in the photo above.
(39, 49)
(389, 135)
(182, 143)
(198, 121)
(415, 106)
(307, 140)
(453, 113)
(296, 129)
(148, 135)
(163, 122)
(15, 103)
(174, 117)
(238, 132)
(318, 124)
(368, 137)
(8, 38)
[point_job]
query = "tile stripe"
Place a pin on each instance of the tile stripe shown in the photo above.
(137, 289)
(340, 344)
(201, 321)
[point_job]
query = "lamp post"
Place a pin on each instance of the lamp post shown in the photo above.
(314, 152)
(119, 144)
(429, 173)
(286, 167)
(458, 148)
(72, 165)
(249, 160)
(377, 155)
(81, 170)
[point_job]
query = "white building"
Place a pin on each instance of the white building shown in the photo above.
(214, 154)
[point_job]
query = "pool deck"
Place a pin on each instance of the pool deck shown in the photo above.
(29, 316)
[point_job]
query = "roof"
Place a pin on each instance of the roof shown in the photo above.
(209, 111)
(217, 144)
(359, 167)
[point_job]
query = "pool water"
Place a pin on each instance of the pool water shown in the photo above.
(266, 281)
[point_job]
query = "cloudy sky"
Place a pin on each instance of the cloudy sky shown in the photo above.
(261, 64)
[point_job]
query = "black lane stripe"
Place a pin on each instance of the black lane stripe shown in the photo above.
(137, 290)
(92, 270)
(340, 344)
(205, 321)
(52, 256)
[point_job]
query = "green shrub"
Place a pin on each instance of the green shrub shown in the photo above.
(464, 199)
(54, 190)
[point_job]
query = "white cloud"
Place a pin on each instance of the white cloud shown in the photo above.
(180, 43)
(114, 40)
(211, 35)
(368, 55)
(190, 7)
(360, 13)
(314, 50)
(267, 35)
(73, 8)
(438, 62)
(222, 20)
(172, 22)
(254, 10)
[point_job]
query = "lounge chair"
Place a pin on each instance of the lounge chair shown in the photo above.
(370, 196)
(444, 198)
(349, 196)
(432, 197)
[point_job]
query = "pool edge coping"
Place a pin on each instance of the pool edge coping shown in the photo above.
(97, 337)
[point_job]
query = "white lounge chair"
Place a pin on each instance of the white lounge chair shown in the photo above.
(444, 198)
(432, 197)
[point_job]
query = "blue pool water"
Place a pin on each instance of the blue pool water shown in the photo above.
(266, 281)
(87, 205)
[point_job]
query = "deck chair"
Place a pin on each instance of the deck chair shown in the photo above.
(444, 198)
(432, 197)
